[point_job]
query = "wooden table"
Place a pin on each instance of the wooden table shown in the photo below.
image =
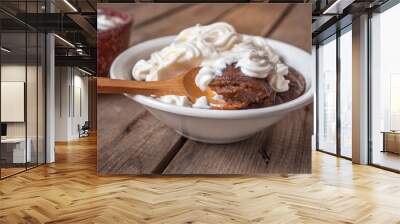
(15, 152)
(131, 141)
(391, 141)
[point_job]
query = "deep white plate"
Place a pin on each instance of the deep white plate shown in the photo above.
(215, 126)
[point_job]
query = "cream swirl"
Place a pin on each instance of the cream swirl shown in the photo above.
(175, 53)
(176, 100)
(143, 69)
(222, 36)
(255, 64)
(279, 83)
(189, 34)
(217, 36)
(213, 47)
(106, 22)
(179, 56)
(201, 102)
(204, 77)
(262, 44)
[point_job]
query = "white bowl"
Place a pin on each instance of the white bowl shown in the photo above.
(215, 126)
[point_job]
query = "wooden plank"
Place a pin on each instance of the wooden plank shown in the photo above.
(130, 140)
(293, 29)
(190, 16)
(259, 19)
(288, 144)
(255, 18)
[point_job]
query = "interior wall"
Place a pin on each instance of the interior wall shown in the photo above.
(61, 103)
(82, 83)
(71, 102)
(15, 72)
(32, 127)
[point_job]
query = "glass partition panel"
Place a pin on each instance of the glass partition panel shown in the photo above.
(346, 94)
(327, 97)
(385, 89)
(41, 98)
(32, 98)
(14, 153)
(22, 88)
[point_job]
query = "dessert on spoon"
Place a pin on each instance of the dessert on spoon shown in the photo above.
(181, 85)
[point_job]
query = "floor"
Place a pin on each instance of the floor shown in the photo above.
(10, 171)
(5, 172)
(69, 191)
(388, 159)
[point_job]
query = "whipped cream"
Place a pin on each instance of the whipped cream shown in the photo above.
(202, 103)
(176, 100)
(213, 47)
(106, 22)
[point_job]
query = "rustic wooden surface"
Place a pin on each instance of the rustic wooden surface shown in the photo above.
(246, 157)
(131, 141)
(117, 153)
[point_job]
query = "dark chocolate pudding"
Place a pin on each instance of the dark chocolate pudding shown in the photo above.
(243, 92)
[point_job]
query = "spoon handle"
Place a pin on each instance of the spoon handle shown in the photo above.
(158, 88)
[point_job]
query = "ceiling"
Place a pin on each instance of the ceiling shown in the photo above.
(72, 20)
(75, 22)
(332, 15)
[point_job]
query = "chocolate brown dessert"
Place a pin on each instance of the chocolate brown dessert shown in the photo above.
(243, 92)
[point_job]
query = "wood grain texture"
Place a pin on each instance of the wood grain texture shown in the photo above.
(288, 143)
(70, 191)
(253, 19)
(131, 141)
(183, 84)
(177, 21)
(293, 30)
(246, 157)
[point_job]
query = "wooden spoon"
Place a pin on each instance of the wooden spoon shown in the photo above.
(181, 85)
